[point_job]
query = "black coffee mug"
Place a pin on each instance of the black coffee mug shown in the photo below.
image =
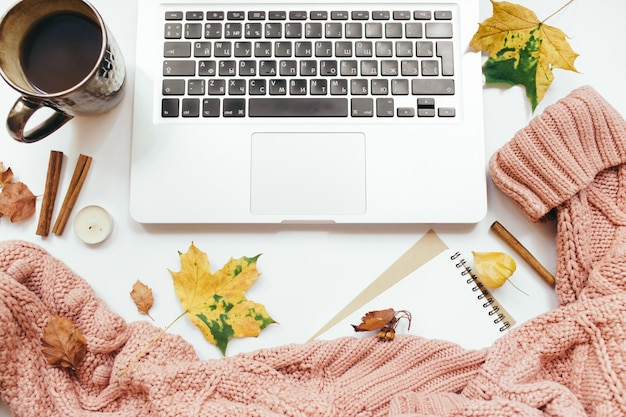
(58, 54)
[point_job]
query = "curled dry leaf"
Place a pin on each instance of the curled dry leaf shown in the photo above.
(16, 200)
(63, 345)
(493, 268)
(143, 298)
(6, 177)
(385, 321)
(375, 320)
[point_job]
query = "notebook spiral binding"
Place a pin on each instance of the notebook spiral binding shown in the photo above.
(494, 309)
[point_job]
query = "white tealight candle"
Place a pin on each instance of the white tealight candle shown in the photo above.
(93, 224)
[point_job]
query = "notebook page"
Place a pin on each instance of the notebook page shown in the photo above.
(442, 303)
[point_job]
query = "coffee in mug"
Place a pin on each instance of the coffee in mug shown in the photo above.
(58, 54)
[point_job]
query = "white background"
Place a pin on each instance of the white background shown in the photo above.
(308, 272)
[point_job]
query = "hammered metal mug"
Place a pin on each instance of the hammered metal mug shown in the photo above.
(58, 54)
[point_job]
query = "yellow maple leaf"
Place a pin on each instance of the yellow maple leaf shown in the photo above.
(216, 303)
(522, 49)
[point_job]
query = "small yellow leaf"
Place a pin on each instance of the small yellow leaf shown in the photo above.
(493, 268)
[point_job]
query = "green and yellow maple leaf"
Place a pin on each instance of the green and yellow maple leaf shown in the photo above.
(522, 50)
(216, 303)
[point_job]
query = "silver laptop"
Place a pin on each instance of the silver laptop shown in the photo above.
(297, 112)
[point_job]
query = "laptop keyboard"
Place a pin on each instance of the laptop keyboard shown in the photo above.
(309, 63)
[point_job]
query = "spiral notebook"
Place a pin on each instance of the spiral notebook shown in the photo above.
(437, 286)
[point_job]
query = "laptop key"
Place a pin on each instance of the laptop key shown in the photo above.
(384, 107)
(195, 87)
(298, 107)
(360, 15)
(339, 87)
(381, 15)
(362, 107)
(298, 15)
(278, 87)
(401, 15)
(432, 86)
(319, 15)
(422, 15)
(242, 49)
(202, 49)
(236, 15)
(190, 107)
(173, 87)
(193, 30)
(177, 49)
(443, 15)
(430, 67)
(277, 15)
(257, 87)
(178, 68)
(354, 30)
(444, 51)
(254, 15)
(214, 16)
(339, 15)
(406, 112)
(438, 30)
(446, 112)
(234, 107)
(400, 87)
(319, 87)
(174, 15)
(194, 15)
(211, 107)
(173, 31)
(169, 107)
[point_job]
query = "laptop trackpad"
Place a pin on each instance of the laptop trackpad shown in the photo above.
(308, 173)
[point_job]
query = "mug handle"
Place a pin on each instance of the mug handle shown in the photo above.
(22, 111)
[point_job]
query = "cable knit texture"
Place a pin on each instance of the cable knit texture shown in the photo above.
(569, 362)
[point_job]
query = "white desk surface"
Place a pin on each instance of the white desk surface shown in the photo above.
(305, 269)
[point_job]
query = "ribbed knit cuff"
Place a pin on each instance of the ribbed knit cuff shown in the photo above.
(560, 152)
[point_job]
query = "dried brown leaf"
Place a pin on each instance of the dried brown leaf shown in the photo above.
(64, 346)
(17, 201)
(143, 298)
(385, 321)
(375, 320)
(6, 177)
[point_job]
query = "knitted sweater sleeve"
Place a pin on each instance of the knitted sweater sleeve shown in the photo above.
(560, 152)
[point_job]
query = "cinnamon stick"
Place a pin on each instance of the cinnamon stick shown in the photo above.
(78, 179)
(505, 235)
(53, 177)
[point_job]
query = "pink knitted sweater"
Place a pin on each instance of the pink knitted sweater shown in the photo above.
(569, 362)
